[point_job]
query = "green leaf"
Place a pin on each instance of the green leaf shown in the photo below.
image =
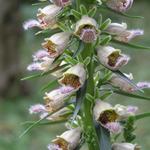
(105, 24)
(79, 100)
(141, 116)
(80, 49)
(44, 123)
(32, 76)
(83, 10)
(106, 40)
(51, 85)
(76, 14)
(62, 26)
(131, 95)
(87, 61)
(132, 45)
(107, 94)
(105, 141)
(70, 60)
(92, 12)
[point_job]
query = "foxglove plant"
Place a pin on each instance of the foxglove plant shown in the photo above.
(79, 55)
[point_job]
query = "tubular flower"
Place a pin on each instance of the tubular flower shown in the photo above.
(128, 35)
(44, 65)
(69, 140)
(125, 146)
(56, 44)
(47, 16)
(111, 57)
(121, 83)
(125, 111)
(38, 108)
(119, 5)
(55, 99)
(74, 77)
(61, 3)
(31, 23)
(109, 116)
(116, 28)
(87, 29)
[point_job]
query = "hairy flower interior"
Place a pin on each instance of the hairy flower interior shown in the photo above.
(85, 26)
(113, 57)
(71, 80)
(62, 143)
(108, 116)
(50, 46)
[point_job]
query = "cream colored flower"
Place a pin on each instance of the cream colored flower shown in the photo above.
(56, 98)
(56, 44)
(87, 29)
(74, 77)
(61, 3)
(69, 140)
(116, 28)
(47, 16)
(111, 57)
(125, 146)
(121, 83)
(119, 5)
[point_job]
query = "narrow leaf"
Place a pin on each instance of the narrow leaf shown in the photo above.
(105, 143)
(106, 40)
(51, 85)
(132, 45)
(131, 95)
(76, 14)
(141, 116)
(92, 12)
(105, 24)
(79, 50)
(83, 10)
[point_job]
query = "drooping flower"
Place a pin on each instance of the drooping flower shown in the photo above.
(143, 85)
(69, 140)
(125, 146)
(116, 28)
(111, 57)
(119, 5)
(36, 109)
(56, 44)
(56, 98)
(47, 16)
(121, 33)
(109, 116)
(74, 77)
(127, 35)
(87, 29)
(31, 23)
(44, 65)
(125, 111)
(61, 3)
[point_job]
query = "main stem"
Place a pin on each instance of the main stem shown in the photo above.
(89, 126)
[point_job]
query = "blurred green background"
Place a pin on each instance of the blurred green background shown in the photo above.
(20, 95)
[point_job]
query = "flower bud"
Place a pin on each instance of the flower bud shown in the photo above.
(55, 99)
(121, 83)
(116, 28)
(125, 146)
(111, 57)
(74, 77)
(56, 44)
(69, 140)
(48, 16)
(61, 3)
(128, 35)
(119, 5)
(87, 29)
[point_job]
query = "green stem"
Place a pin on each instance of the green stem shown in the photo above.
(89, 126)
